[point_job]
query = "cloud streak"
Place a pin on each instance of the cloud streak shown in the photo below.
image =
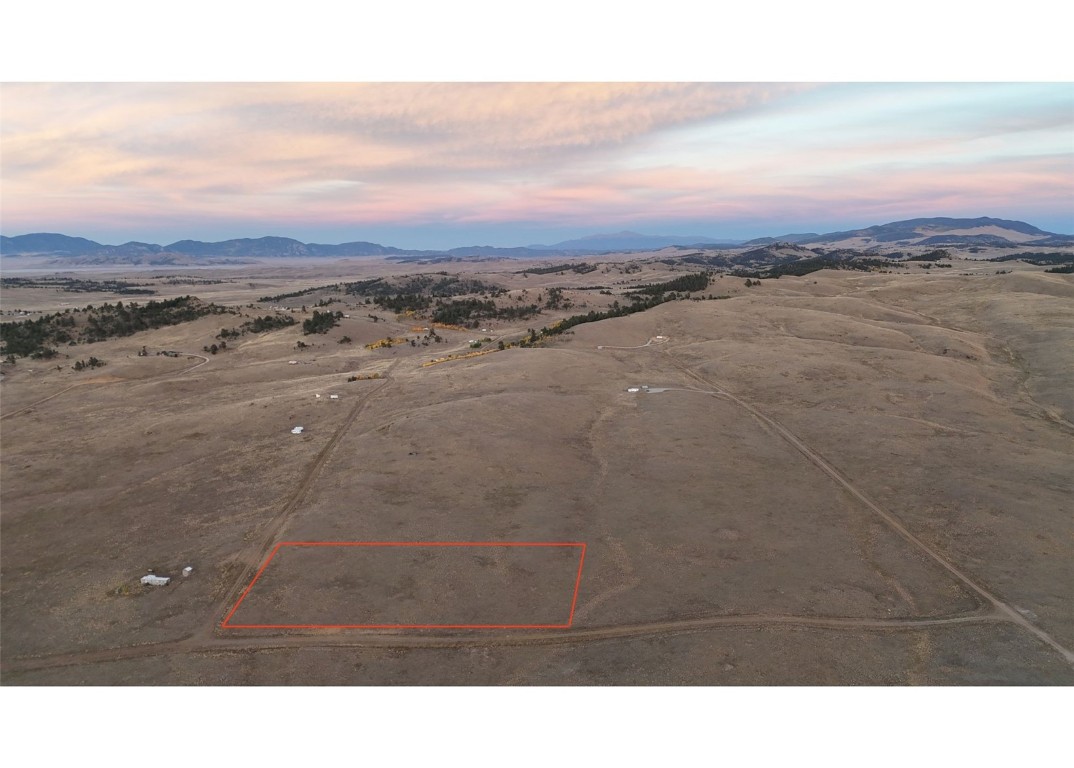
(561, 154)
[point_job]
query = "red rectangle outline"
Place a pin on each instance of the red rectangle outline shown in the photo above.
(574, 598)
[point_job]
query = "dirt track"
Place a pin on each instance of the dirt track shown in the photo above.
(210, 638)
(160, 377)
(373, 639)
(1002, 608)
(299, 493)
(256, 554)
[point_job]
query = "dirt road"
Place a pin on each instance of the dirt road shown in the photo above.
(254, 555)
(486, 638)
(1001, 607)
(210, 639)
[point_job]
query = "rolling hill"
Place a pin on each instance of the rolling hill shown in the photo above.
(940, 231)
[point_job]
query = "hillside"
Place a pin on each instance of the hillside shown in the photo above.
(983, 231)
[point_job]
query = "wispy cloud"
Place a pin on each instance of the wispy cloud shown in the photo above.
(562, 153)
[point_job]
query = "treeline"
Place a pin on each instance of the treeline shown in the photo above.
(296, 294)
(593, 316)
(931, 256)
(185, 280)
(1038, 258)
(257, 325)
(808, 266)
(440, 284)
(684, 284)
(76, 285)
(661, 293)
(34, 338)
(581, 268)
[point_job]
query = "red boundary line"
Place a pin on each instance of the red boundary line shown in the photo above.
(225, 624)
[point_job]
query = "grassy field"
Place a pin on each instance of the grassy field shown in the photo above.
(731, 521)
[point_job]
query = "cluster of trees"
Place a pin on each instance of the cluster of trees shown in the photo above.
(93, 362)
(295, 294)
(616, 310)
(556, 300)
(321, 322)
(1038, 258)
(581, 268)
(77, 285)
(815, 264)
(471, 311)
(187, 280)
(641, 301)
(372, 287)
(440, 284)
(686, 283)
(257, 325)
(113, 321)
(34, 337)
(419, 293)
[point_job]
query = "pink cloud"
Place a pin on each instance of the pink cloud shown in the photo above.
(485, 152)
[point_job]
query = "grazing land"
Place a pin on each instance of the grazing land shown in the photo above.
(848, 476)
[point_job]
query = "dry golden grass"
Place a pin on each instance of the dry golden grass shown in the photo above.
(943, 397)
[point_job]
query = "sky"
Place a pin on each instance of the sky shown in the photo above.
(427, 165)
(424, 166)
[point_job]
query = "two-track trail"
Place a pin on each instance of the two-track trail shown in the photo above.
(270, 536)
(1002, 608)
(208, 640)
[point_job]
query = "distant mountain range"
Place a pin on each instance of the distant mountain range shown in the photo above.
(982, 231)
(79, 250)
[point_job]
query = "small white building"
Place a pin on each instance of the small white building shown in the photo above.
(333, 397)
(188, 570)
(297, 431)
(153, 580)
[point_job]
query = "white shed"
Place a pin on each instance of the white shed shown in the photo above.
(155, 581)
(296, 431)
